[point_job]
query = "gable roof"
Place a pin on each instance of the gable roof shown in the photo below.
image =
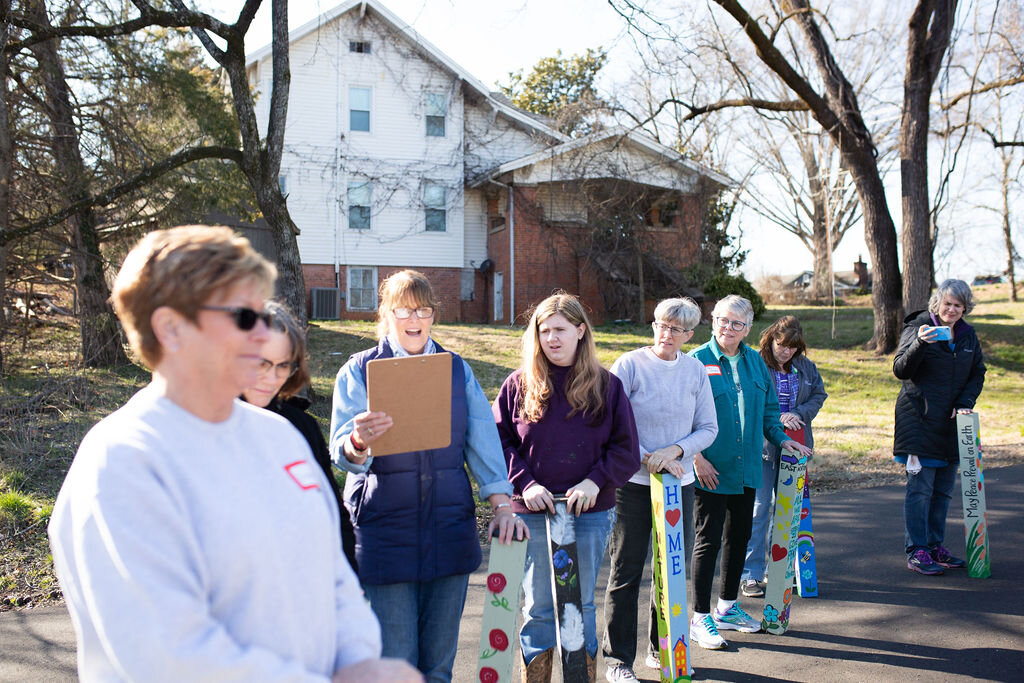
(404, 29)
(630, 135)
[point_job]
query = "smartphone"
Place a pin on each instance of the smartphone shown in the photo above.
(943, 333)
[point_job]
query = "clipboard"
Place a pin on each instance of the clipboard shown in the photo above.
(416, 392)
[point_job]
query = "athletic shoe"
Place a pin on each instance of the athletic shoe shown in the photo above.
(751, 588)
(922, 563)
(651, 661)
(735, 619)
(942, 558)
(705, 633)
(619, 672)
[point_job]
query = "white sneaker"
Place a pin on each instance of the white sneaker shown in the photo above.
(619, 672)
(735, 619)
(705, 633)
(651, 661)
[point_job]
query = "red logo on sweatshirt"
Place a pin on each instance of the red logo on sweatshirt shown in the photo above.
(302, 474)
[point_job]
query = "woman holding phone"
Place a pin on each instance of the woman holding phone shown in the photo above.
(940, 362)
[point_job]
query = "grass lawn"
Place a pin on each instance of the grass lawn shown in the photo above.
(47, 404)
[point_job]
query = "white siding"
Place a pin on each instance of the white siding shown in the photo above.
(492, 140)
(476, 228)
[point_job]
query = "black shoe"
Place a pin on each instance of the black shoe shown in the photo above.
(751, 588)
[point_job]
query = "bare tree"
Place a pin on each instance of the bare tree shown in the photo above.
(6, 165)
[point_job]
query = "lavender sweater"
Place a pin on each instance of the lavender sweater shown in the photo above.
(561, 451)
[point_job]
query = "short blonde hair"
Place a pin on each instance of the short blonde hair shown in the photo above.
(404, 288)
(182, 268)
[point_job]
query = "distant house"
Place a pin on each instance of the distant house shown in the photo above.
(397, 157)
(845, 281)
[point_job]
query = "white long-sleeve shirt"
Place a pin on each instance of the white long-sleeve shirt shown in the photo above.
(672, 404)
(190, 551)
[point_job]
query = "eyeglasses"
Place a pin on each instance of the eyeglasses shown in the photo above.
(734, 325)
(282, 370)
(404, 313)
(661, 327)
(245, 318)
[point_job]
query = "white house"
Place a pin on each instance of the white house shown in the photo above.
(397, 157)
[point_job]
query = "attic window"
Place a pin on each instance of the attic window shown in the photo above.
(360, 46)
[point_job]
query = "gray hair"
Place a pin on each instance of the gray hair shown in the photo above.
(683, 311)
(734, 303)
(958, 289)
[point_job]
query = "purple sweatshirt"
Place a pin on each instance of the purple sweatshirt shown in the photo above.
(560, 451)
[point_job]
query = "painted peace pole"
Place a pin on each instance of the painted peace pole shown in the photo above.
(501, 608)
(972, 488)
(565, 590)
(778, 591)
(806, 568)
(670, 578)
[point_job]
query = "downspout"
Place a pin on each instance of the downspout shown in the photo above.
(337, 166)
(511, 250)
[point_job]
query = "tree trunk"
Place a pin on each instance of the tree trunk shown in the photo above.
(821, 286)
(291, 285)
(1011, 253)
(930, 27)
(101, 339)
(6, 168)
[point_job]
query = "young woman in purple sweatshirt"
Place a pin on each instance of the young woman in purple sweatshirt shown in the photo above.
(567, 428)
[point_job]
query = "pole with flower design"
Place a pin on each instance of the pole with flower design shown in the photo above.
(504, 579)
(567, 593)
(670, 579)
(778, 591)
(972, 489)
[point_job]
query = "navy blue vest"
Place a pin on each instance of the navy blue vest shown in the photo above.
(414, 515)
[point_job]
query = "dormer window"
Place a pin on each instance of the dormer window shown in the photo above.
(361, 47)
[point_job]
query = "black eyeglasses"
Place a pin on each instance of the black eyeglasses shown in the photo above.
(282, 370)
(245, 318)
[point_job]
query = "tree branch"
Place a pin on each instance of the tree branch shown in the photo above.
(994, 85)
(138, 180)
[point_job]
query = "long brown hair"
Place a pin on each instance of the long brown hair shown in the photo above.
(284, 321)
(786, 331)
(587, 381)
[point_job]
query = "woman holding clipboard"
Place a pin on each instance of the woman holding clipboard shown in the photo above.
(413, 513)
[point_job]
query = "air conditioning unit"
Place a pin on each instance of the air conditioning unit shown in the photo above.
(326, 303)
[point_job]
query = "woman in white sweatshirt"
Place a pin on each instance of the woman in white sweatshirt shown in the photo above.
(195, 537)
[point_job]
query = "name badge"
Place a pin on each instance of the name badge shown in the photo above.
(713, 370)
(301, 472)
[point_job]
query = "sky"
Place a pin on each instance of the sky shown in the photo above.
(491, 38)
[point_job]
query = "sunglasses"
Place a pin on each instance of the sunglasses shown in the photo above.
(245, 318)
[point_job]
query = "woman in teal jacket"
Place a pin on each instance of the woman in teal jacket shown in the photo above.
(729, 471)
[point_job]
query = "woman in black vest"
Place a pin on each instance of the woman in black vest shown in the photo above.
(414, 516)
(939, 360)
(283, 374)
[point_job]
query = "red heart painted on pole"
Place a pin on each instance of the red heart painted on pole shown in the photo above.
(778, 552)
(672, 516)
(804, 512)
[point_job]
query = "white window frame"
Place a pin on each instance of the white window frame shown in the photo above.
(349, 271)
(352, 185)
(369, 112)
(427, 97)
(428, 185)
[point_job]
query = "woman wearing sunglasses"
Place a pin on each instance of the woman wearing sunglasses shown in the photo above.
(174, 534)
(283, 374)
(729, 471)
(414, 515)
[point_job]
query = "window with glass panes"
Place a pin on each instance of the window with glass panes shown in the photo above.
(359, 195)
(359, 109)
(434, 197)
(362, 288)
(435, 107)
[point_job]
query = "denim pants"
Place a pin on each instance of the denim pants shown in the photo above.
(628, 547)
(755, 566)
(419, 622)
(925, 507)
(716, 515)
(538, 633)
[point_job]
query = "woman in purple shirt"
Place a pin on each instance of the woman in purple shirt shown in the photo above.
(567, 429)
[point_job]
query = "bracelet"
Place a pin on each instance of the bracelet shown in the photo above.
(501, 505)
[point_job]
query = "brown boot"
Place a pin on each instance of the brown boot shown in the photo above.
(591, 668)
(539, 669)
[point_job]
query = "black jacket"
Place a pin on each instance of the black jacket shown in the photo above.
(294, 410)
(936, 381)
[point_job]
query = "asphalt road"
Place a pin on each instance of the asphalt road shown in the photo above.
(873, 620)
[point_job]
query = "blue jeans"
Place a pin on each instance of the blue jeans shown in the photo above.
(755, 566)
(925, 507)
(419, 622)
(538, 633)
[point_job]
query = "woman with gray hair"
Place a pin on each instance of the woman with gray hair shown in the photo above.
(675, 419)
(940, 362)
(729, 471)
